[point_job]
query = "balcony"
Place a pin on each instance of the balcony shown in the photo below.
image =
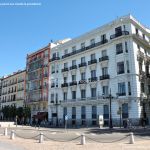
(119, 51)
(120, 72)
(141, 39)
(119, 34)
(52, 85)
(73, 67)
(104, 77)
(121, 94)
(73, 83)
(82, 82)
(20, 80)
(54, 58)
(65, 69)
(64, 85)
(92, 61)
(94, 79)
(52, 72)
(83, 64)
(21, 89)
(104, 58)
(85, 48)
(46, 75)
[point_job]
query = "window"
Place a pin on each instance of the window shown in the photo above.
(83, 112)
(144, 36)
(73, 94)
(105, 90)
(65, 96)
(126, 47)
(138, 46)
(83, 76)
(118, 30)
(92, 56)
(53, 69)
(93, 92)
(103, 37)
(137, 31)
(65, 79)
(66, 51)
(73, 48)
(120, 67)
(124, 27)
(129, 88)
(82, 45)
(104, 71)
(104, 53)
(121, 89)
(119, 48)
(83, 94)
(73, 78)
(93, 73)
(73, 62)
(142, 88)
(94, 112)
(127, 62)
(65, 111)
(82, 59)
(148, 89)
(56, 98)
(66, 65)
(125, 110)
(73, 112)
(147, 69)
(106, 111)
(52, 97)
(57, 54)
(54, 55)
(92, 41)
(56, 82)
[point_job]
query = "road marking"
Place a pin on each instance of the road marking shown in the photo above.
(77, 133)
(93, 134)
(53, 133)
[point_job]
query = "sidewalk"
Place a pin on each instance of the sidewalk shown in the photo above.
(49, 145)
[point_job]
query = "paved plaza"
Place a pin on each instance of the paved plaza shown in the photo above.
(26, 138)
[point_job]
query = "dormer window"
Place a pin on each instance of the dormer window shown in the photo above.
(66, 51)
(92, 41)
(73, 48)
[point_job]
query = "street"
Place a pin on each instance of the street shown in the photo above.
(91, 134)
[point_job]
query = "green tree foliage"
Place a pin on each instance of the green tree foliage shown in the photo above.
(10, 113)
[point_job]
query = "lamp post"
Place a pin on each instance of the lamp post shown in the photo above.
(110, 118)
(57, 104)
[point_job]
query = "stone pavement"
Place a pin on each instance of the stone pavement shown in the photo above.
(25, 144)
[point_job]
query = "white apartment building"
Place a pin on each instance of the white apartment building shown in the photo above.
(12, 92)
(110, 61)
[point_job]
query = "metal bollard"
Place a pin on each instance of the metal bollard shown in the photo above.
(131, 138)
(82, 139)
(12, 135)
(5, 132)
(41, 139)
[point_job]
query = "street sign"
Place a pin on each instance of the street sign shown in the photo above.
(66, 117)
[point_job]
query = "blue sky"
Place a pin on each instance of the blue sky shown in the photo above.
(25, 29)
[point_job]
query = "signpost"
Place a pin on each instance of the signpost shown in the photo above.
(119, 113)
(66, 119)
(101, 121)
